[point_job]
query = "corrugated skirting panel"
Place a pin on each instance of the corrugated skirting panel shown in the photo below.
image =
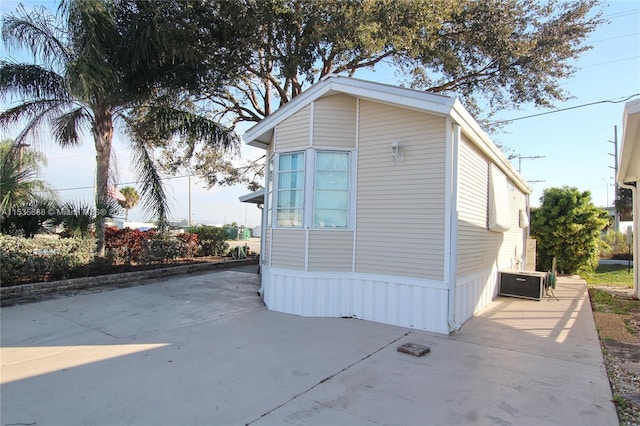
(419, 304)
(474, 292)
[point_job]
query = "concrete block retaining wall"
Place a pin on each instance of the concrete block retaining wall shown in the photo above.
(8, 295)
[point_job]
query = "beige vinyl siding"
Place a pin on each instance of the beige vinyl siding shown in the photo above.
(293, 133)
(334, 122)
(330, 250)
(476, 249)
(513, 246)
(479, 248)
(400, 213)
(288, 248)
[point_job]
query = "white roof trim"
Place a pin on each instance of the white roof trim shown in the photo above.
(629, 163)
(478, 136)
(260, 135)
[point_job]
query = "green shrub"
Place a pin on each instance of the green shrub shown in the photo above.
(161, 249)
(211, 240)
(37, 259)
(567, 226)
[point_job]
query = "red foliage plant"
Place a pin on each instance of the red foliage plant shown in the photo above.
(126, 245)
(189, 247)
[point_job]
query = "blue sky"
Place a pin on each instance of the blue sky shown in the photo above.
(575, 143)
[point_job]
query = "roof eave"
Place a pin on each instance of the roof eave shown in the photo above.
(260, 135)
(256, 197)
(629, 166)
(478, 136)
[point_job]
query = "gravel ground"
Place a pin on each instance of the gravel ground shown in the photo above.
(624, 376)
(621, 351)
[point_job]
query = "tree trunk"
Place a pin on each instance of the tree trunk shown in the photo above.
(103, 135)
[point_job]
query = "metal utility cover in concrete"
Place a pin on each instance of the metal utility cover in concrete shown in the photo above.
(414, 349)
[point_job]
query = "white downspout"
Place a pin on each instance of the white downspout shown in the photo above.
(453, 226)
(636, 232)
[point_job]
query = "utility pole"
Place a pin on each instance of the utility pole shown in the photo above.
(615, 176)
(531, 157)
(21, 146)
(189, 219)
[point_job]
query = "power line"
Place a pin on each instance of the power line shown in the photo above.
(621, 14)
(610, 101)
(123, 183)
(614, 38)
(609, 62)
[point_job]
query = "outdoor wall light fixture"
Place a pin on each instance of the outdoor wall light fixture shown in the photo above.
(397, 151)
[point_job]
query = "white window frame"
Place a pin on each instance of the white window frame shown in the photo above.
(270, 189)
(349, 192)
(309, 190)
(276, 190)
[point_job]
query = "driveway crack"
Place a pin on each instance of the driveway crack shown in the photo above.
(326, 379)
(78, 323)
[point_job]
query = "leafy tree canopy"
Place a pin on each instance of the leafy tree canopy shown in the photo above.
(567, 226)
(493, 54)
(624, 203)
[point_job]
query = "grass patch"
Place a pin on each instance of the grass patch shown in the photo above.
(611, 275)
(603, 301)
(620, 402)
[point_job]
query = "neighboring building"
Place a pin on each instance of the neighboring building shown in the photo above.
(623, 224)
(120, 223)
(385, 204)
(629, 174)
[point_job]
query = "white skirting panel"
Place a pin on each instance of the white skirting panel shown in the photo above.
(474, 292)
(420, 304)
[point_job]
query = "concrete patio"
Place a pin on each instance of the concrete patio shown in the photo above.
(203, 350)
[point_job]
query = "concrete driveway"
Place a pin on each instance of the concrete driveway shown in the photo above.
(203, 350)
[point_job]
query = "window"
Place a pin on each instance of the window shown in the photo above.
(331, 190)
(327, 205)
(290, 205)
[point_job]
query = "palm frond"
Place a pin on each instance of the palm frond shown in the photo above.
(34, 113)
(18, 182)
(15, 181)
(37, 31)
(31, 82)
(155, 202)
(78, 217)
(167, 122)
(91, 78)
(29, 110)
(67, 127)
(92, 72)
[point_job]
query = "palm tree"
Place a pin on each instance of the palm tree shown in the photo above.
(18, 182)
(131, 200)
(26, 202)
(103, 66)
